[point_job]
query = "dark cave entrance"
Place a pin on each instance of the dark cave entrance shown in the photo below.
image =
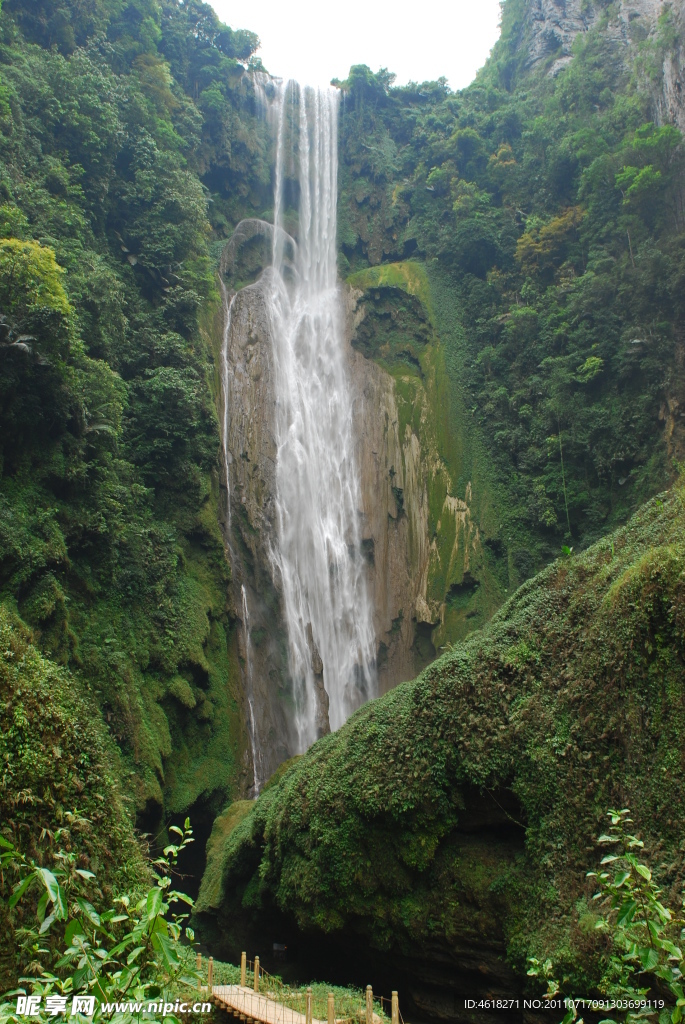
(435, 979)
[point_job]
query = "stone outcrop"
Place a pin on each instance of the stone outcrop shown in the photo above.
(396, 465)
(323, 724)
(551, 26)
(669, 92)
(250, 519)
(393, 515)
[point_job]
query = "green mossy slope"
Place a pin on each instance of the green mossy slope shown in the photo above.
(465, 804)
(62, 786)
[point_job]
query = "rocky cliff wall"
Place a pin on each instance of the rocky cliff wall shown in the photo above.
(551, 27)
(400, 465)
(422, 546)
(250, 525)
(669, 89)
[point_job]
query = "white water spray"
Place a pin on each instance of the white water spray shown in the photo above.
(261, 81)
(225, 385)
(256, 757)
(319, 557)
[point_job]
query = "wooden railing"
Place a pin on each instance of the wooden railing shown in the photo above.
(274, 999)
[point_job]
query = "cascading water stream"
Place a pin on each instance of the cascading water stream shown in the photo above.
(315, 551)
(318, 499)
(256, 758)
(225, 386)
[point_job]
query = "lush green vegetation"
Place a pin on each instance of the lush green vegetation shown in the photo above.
(129, 950)
(63, 797)
(549, 209)
(645, 961)
(460, 810)
(519, 248)
(128, 146)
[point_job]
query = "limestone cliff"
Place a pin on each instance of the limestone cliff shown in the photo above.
(400, 464)
(550, 28)
(668, 94)
(422, 546)
(249, 522)
(394, 513)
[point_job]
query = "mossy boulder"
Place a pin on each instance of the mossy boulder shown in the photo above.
(458, 813)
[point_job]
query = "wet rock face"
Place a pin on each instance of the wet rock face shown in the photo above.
(438, 981)
(323, 725)
(250, 522)
(394, 508)
(552, 26)
(398, 464)
(250, 434)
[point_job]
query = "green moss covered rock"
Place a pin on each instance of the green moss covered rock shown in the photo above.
(459, 811)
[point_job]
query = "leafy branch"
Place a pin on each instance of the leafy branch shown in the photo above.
(642, 931)
(132, 950)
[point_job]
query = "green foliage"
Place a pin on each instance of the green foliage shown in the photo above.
(31, 279)
(62, 802)
(370, 830)
(36, 313)
(551, 208)
(129, 950)
(543, 246)
(642, 931)
(547, 213)
(639, 922)
(118, 122)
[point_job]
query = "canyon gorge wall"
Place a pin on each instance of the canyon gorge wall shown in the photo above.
(440, 553)
(425, 561)
(547, 33)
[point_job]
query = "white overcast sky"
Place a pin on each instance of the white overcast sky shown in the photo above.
(314, 41)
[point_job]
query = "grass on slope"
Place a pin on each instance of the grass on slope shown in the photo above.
(570, 701)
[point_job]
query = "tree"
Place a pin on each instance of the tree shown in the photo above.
(34, 306)
(30, 279)
(130, 950)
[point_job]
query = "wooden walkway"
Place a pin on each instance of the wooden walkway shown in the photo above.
(256, 1006)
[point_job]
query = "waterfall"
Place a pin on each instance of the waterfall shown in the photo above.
(225, 387)
(256, 759)
(311, 531)
(318, 500)
(261, 83)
